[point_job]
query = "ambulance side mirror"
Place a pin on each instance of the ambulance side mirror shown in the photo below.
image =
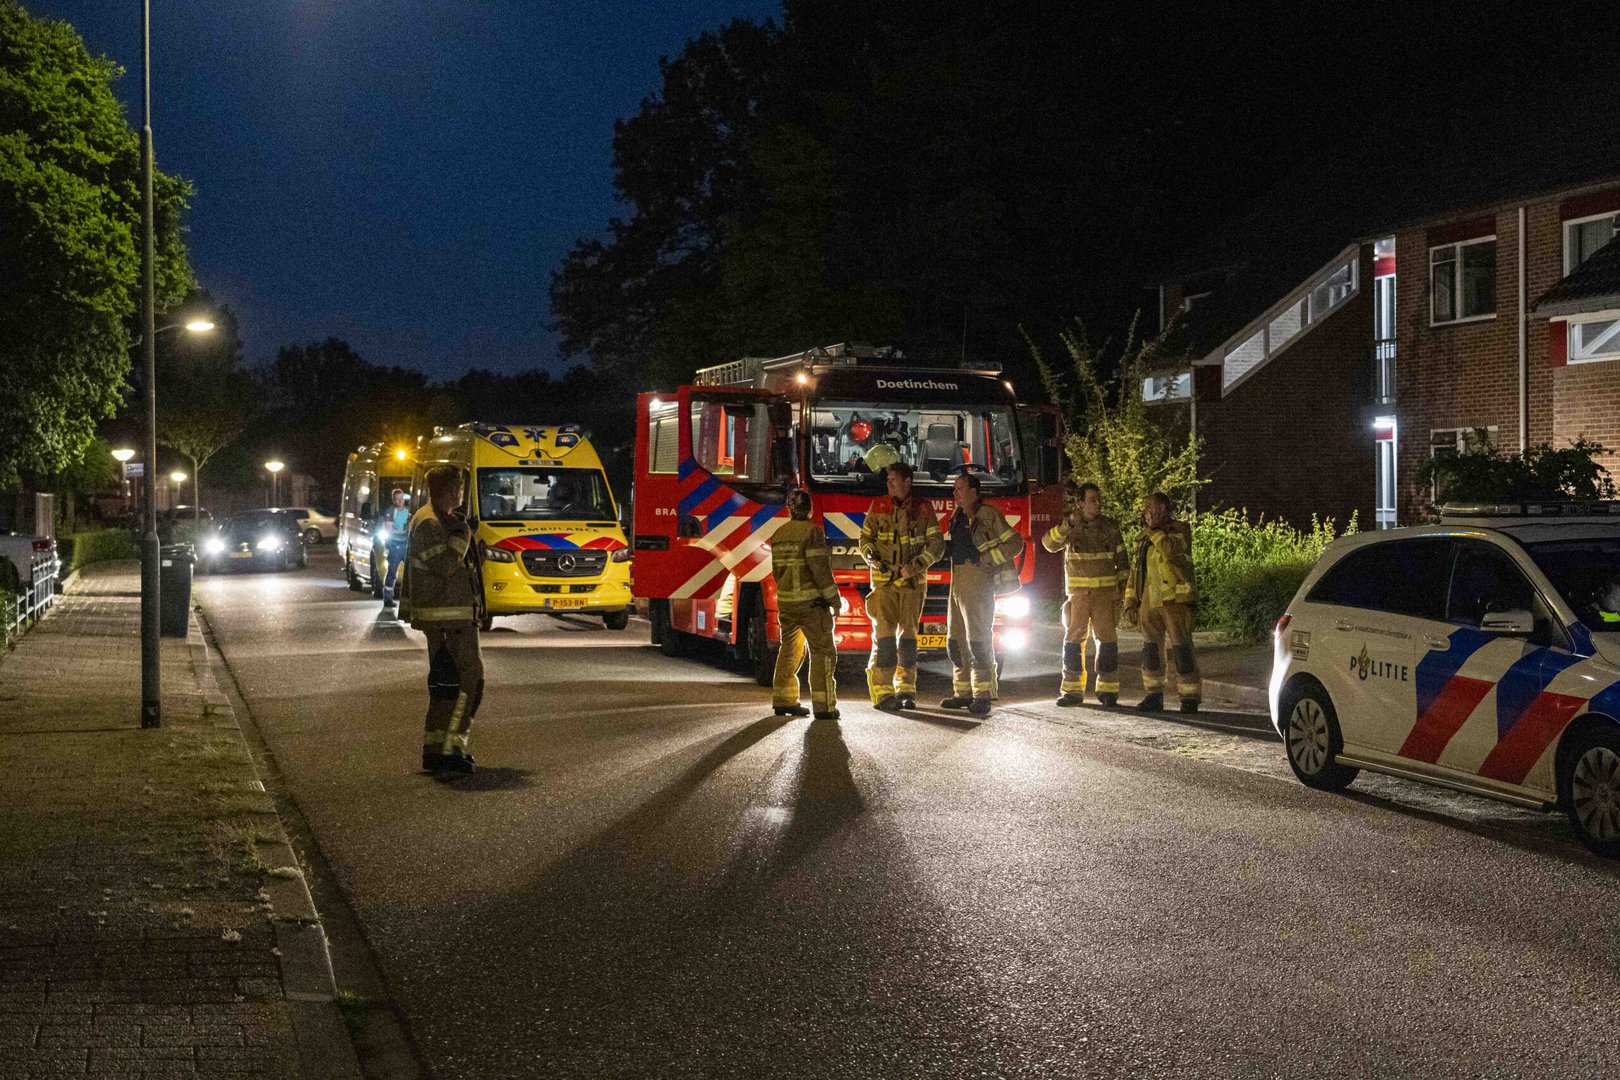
(1511, 623)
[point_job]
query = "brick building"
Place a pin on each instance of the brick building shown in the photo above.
(1500, 313)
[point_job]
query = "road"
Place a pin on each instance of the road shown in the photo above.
(652, 876)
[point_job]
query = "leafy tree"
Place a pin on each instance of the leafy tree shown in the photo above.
(69, 222)
(1114, 441)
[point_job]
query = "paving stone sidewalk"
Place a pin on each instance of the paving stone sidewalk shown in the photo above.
(153, 921)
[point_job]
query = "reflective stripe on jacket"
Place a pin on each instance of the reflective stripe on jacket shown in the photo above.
(441, 584)
(802, 564)
(1163, 572)
(997, 542)
(895, 537)
(1094, 553)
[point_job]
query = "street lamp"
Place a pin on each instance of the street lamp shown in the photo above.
(275, 468)
(122, 455)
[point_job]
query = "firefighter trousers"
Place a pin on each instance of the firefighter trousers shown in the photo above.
(806, 626)
(1169, 627)
(895, 612)
(1091, 615)
(455, 686)
(970, 631)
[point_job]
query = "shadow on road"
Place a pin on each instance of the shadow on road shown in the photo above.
(488, 778)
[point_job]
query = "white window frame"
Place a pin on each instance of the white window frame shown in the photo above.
(1457, 285)
(1169, 395)
(1459, 438)
(1613, 352)
(1569, 228)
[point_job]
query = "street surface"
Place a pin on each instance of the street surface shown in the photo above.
(652, 876)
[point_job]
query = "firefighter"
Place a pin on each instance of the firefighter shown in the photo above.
(984, 552)
(440, 592)
(1094, 567)
(806, 602)
(900, 540)
(1159, 594)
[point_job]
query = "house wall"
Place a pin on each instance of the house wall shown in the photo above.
(1293, 439)
(1466, 375)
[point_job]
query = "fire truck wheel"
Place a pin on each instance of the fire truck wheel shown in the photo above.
(758, 656)
(670, 640)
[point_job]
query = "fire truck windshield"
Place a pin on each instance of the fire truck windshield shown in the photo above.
(536, 494)
(852, 442)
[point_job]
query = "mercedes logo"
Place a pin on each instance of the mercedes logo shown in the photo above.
(565, 563)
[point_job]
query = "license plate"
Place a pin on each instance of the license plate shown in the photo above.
(565, 603)
(241, 554)
(931, 641)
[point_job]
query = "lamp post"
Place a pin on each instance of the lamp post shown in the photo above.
(122, 455)
(178, 478)
(275, 468)
(151, 686)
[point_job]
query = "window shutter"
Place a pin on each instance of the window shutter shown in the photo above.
(1557, 344)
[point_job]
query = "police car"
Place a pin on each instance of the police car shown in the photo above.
(1481, 654)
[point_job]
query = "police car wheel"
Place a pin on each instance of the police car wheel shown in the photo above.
(1594, 793)
(1311, 738)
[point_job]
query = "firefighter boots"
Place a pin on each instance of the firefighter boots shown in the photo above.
(1154, 702)
(956, 701)
(1071, 698)
(790, 710)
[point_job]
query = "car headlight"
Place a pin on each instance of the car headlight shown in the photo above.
(269, 543)
(495, 554)
(1013, 607)
(214, 546)
(1014, 640)
(621, 554)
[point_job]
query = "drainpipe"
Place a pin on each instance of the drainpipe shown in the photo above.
(1524, 342)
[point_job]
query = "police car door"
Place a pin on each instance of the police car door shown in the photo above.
(1488, 710)
(1364, 646)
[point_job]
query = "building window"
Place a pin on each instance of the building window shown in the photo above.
(1446, 441)
(1594, 338)
(1462, 281)
(1177, 387)
(1583, 236)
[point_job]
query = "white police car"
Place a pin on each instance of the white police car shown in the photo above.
(1481, 654)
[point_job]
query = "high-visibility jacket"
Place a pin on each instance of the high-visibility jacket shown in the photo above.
(441, 582)
(896, 536)
(802, 564)
(1163, 571)
(997, 543)
(1093, 553)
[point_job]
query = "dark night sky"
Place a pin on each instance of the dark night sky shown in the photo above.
(404, 175)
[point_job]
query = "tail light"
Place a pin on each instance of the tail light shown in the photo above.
(42, 545)
(1282, 624)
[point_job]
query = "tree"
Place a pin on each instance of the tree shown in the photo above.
(206, 398)
(1114, 441)
(69, 220)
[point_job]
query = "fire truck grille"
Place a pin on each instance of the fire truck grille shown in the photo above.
(564, 563)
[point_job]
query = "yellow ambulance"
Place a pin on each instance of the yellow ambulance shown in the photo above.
(543, 517)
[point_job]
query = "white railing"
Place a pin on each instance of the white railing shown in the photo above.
(1288, 320)
(33, 598)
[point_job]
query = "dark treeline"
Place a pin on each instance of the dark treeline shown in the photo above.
(938, 174)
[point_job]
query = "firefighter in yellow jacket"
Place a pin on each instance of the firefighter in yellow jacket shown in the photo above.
(984, 552)
(1160, 589)
(441, 587)
(1094, 567)
(900, 540)
(806, 600)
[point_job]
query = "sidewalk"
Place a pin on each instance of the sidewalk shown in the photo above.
(153, 919)
(1232, 675)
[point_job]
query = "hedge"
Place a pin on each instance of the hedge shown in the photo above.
(1257, 598)
(100, 545)
(1247, 570)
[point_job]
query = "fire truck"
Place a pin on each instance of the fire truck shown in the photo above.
(716, 459)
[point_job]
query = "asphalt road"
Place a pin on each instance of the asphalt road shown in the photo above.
(652, 876)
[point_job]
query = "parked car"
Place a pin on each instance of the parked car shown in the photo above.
(317, 524)
(22, 549)
(1481, 654)
(254, 540)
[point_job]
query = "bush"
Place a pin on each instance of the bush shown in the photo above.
(1481, 473)
(1244, 567)
(101, 545)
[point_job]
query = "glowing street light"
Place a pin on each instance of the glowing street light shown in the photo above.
(177, 476)
(199, 326)
(123, 454)
(275, 468)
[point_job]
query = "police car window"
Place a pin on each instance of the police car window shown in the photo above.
(1486, 580)
(1405, 577)
(541, 494)
(1586, 574)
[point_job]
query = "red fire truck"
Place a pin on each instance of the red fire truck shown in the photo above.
(715, 460)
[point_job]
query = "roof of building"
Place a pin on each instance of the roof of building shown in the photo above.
(1593, 286)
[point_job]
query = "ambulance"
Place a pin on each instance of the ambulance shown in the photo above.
(543, 517)
(1480, 654)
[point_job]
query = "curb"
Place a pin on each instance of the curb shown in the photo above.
(325, 1048)
(1253, 698)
